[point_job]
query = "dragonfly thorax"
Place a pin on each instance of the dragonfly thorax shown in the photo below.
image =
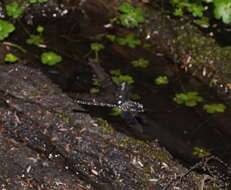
(131, 106)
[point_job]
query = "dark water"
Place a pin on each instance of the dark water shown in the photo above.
(177, 127)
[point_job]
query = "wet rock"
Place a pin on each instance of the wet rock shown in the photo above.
(44, 144)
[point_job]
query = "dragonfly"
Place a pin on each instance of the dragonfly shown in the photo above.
(128, 108)
(123, 105)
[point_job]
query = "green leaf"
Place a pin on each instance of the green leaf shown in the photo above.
(111, 37)
(35, 40)
(214, 108)
(129, 41)
(118, 79)
(161, 80)
(178, 12)
(14, 9)
(223, 10)
(96, 47)
(142, 63)
(40, 29)
(11, 58)
(126, 7)
(5, 29)
(50, 58)
(190, 99)
(130, 16)
(196, 9)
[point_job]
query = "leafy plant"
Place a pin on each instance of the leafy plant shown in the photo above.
(97, 47)
(11, 58)
(118, 78)
(14, 9)
(5, 29)
(36, 40)
(200, 152)
(129, 40)
(50, 58)
(121, 78)
(161, 80)
(142, 63)
(195, 8)
(190, 99)
(221, 10)
(130, 16)
(214, 108)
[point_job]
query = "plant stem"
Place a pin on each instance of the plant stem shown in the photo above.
(15, 46)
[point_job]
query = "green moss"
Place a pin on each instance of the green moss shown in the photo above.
(130, 143)
(161, 156)
(144, 148)
(65, 118)
(106, 127)
(147, 154)
(203, 51)
(200, 47)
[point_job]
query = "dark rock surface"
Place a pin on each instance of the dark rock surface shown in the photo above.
(45, 145)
